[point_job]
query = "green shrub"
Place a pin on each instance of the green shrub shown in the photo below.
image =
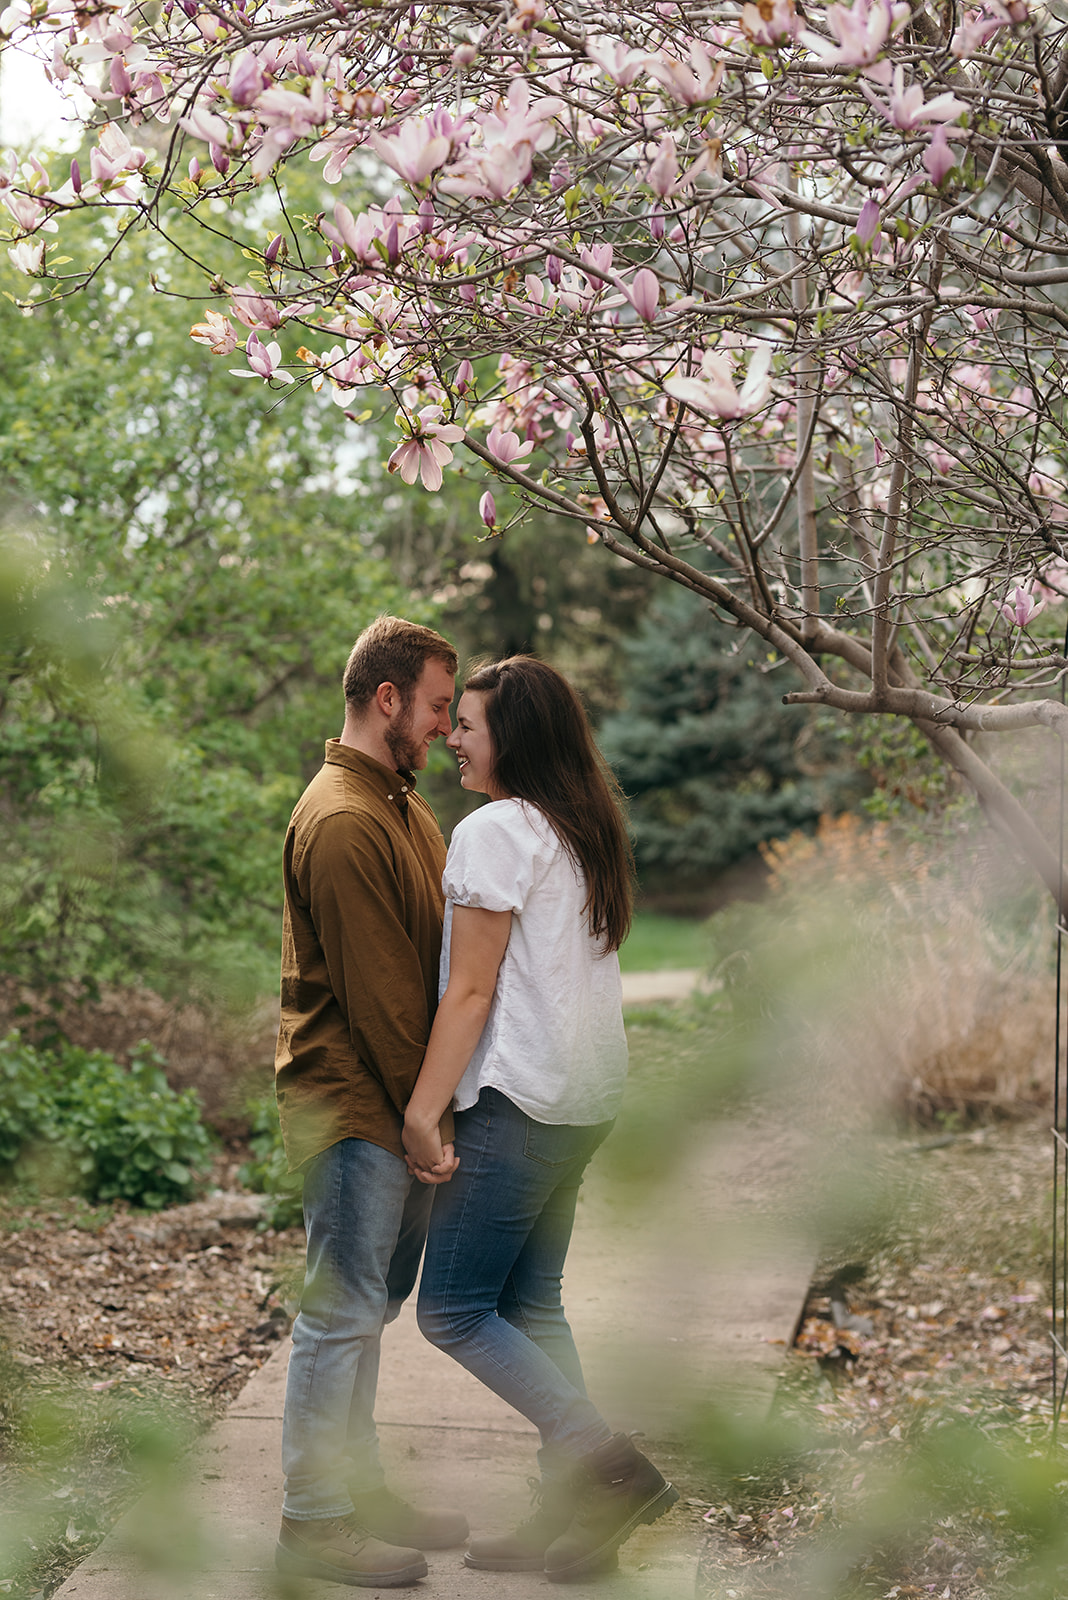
(76, 1121)
(268, 1172)
(25, 1099)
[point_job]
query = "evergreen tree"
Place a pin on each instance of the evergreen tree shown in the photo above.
(711, 761)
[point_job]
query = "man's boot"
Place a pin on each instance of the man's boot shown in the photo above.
(524, 1549)
(338, 1549)
(615, 1489)
(389, 1517)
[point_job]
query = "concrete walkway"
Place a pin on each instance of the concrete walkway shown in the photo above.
(677, 1295)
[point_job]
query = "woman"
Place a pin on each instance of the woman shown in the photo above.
(528, 1046)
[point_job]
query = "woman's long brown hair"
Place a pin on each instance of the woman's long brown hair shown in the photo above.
(544, 753)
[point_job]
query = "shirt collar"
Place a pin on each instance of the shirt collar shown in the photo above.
(392, 785)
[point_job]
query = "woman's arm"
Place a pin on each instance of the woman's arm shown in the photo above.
(479, 940)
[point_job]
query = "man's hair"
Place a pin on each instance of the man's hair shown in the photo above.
(392, 650)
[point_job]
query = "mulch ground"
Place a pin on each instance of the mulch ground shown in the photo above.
(124, 1333)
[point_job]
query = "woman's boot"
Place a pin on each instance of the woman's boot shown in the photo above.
(614, 1490)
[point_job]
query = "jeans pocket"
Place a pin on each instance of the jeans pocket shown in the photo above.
(559, 1144)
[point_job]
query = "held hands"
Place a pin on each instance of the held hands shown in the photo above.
(428, 1159)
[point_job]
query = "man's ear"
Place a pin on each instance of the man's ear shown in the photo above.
(387, 698)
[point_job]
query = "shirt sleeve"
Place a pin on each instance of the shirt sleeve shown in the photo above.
(492, 860)
(356, 904)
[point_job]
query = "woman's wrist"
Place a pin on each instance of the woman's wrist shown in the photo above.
(420, 1121)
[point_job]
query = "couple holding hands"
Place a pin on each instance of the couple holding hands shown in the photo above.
(462, 1124)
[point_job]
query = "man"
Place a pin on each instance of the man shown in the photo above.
(360, 943)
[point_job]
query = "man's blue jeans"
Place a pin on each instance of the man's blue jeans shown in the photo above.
(366, 1221)
(490, 1290)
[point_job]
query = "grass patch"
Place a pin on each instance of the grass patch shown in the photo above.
(662, 944)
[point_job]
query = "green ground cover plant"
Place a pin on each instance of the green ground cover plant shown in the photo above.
(74, 1121)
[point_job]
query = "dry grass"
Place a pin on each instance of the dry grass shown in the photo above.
(909, 980)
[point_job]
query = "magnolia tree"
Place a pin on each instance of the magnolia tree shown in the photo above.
(766, 302)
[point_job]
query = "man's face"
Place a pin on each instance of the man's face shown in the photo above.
(418, 721)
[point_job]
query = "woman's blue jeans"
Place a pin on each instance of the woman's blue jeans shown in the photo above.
(366, 1221)
(490, 1290)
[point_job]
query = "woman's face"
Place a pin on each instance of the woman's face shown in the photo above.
(473, 745)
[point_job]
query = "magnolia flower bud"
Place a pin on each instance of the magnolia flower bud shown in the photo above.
(560, 176)
(553, 269)
(76, 177)
(270, 255)
(464, 374)
(487, 510)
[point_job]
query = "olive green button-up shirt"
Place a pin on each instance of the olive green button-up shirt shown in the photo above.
(361, 938)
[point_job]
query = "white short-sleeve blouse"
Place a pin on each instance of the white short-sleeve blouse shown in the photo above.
(554, 1040)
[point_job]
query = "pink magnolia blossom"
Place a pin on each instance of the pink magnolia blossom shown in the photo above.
(691, 85)
(114, 154)
(27, 256)
(525, 16)
(487, 510)
(867, 230)
(121, 82)
(598, 261)
(216, 331)
(663, 175)
(907, 109)
(614, 59)
(27, 210)
(520, 119)
(206, 125)
(264, 360)
(505, 446)
(1021, 606)
(714, 392)
(427, 450)
(862, 31)
(644, 294)
(253, 310)
(247, 78)
(560, 175)
(938, 158)
(414, 151)
(488, 175)
(973, 33)
(335, 151)
(770, 24)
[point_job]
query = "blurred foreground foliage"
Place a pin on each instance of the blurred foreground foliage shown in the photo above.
(76, 1122)
(72, 1455)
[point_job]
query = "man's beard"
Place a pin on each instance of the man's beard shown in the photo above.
(400, 742)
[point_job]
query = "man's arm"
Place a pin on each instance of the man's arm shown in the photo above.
(373, 963)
